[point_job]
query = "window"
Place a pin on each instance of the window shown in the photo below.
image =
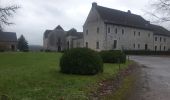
(149, 35)
(97, 29)
(122, 31)
(87, 32)
(138, 46)
(134, 33)
(133, 45)
(116, 30)
(155, 48)
(68, 45)
(160, 39)
(164, 39)
(86, 44)
(164, 48)
(139, 33)
(155, 38)
(97, 45)
(59, 41)
(146, 46)
(108, 30)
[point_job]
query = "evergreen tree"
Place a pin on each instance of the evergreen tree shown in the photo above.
(22, 44)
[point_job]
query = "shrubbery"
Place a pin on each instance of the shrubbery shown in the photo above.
(113, 56)
(81, 61)
(144, 52)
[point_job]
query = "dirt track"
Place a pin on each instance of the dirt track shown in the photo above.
(153, 78)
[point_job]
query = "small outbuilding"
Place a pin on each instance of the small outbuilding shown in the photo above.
(8, 41)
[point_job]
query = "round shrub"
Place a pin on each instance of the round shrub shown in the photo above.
(115, 56)
(82, 61)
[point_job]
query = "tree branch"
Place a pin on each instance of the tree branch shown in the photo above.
(5, 13)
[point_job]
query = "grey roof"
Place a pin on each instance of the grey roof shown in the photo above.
(113, 16)
(8, 37)
(159, 30)
(46, 33)
(73, 32)
(117, 17)
(59, 28)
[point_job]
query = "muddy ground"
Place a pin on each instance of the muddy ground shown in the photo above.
(153, 78)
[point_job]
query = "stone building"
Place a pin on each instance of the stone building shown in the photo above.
(59, 39)
(110, 29)
(8, 41)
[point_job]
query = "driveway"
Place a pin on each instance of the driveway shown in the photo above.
(155, 76)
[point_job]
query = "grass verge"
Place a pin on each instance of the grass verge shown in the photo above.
(36, 76)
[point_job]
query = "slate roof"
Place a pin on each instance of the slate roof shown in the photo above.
(159, 30)
(117, 17)
(113, 16)
(8, 37)
(59, 28)
(46, 33)
(73, 32)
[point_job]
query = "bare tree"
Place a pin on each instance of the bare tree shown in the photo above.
(161, 10)
(5, 13)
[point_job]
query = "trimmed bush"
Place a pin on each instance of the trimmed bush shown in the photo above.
(144, 52)
(82, 61)
(113, 56)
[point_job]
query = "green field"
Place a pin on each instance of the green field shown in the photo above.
(36, 76)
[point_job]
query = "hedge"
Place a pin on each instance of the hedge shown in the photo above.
(82, 61)
(143, 52)
(115, 56)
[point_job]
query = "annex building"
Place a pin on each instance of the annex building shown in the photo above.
(110, 29)
(8, 41)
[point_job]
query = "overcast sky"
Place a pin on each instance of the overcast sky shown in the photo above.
(35, 16)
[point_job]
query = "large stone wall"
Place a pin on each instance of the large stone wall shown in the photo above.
(91, 36)
(8, 46)
(129, 38)
(125, 40)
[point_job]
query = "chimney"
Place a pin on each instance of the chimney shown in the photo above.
(94, 4)
(129, 11)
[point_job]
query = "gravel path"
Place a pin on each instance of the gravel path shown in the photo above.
(154, 78)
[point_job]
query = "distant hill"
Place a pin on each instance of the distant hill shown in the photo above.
(35, 47)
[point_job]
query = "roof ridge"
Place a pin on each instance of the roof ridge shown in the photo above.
(118, 10)
(114, 16)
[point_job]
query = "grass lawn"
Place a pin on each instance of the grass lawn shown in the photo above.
(36, 76)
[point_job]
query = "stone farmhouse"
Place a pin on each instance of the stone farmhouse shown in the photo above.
(8, 41)
(110, 29)
(59, 39)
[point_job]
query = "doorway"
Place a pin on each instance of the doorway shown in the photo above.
(146, 47)
(59, 48)
(12, 47)
(115, 44)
